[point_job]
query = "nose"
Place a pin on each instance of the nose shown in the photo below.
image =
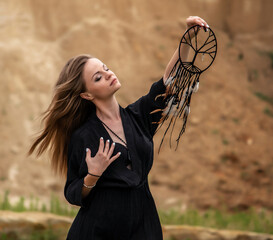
(108, 74)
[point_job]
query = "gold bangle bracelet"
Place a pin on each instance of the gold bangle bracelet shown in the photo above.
(89, 186)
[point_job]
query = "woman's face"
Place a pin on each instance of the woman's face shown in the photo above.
(101, 83)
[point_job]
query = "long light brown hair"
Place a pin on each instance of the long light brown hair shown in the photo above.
(66, 112)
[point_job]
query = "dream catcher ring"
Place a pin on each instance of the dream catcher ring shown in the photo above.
(200, 46)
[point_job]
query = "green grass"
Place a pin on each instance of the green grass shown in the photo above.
(229, 44)
(158, 28)
(162, 47)
(3, 178)
(267, 99)
(236, 120)
(268, 112)
(267, 54)
(172, 238)
(270, 55)
(47, 234)
(263, 97)
(250, 220)
(4, 112)
(253, 75)
(240, 56)
(56, 206)
(215, 131)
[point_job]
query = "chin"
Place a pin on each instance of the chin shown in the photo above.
(118, 85)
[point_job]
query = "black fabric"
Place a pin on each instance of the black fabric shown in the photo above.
(120, 206)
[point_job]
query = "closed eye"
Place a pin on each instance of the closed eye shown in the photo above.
(105, 68)
(97, 78)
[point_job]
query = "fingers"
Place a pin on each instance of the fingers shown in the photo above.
(199, 21)
(88, 153)
(106, 148)
(115, 157)
(101, 146)
(111, 150)
(203, 23)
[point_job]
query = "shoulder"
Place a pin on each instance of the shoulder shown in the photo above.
(84, 131)
(157, 88)
(80, 132)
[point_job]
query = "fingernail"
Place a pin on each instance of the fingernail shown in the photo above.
(108, 140)
(86, 149)
(114, 143)
(119, 153)
(202, 24)
(207, 25)
(101, 138)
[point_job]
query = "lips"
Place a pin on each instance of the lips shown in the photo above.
(113, 81)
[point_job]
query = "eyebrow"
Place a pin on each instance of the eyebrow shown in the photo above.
(103, 65)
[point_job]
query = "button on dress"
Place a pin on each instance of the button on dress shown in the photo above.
(120, 206)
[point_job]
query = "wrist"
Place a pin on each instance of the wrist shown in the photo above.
(90, 180)
(94, 174)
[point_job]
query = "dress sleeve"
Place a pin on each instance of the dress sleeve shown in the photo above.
(74, 181)
(143, 107)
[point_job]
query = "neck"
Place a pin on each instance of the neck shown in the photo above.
(108, 110)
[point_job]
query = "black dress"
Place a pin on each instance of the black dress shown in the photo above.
(120, 206)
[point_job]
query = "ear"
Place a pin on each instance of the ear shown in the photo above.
(87, 96)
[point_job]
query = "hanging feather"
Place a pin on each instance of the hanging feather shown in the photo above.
(183, 80)
(196, 87)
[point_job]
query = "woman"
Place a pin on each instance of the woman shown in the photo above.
(105, 150)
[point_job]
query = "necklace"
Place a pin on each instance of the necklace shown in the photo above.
(126, 146)
(114, 133)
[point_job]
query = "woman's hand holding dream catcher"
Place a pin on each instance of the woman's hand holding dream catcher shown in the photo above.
(196, 52)
(193, 21)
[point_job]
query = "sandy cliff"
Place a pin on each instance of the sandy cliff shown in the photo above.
(225, 156)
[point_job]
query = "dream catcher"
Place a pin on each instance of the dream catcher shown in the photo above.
(201, 46)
